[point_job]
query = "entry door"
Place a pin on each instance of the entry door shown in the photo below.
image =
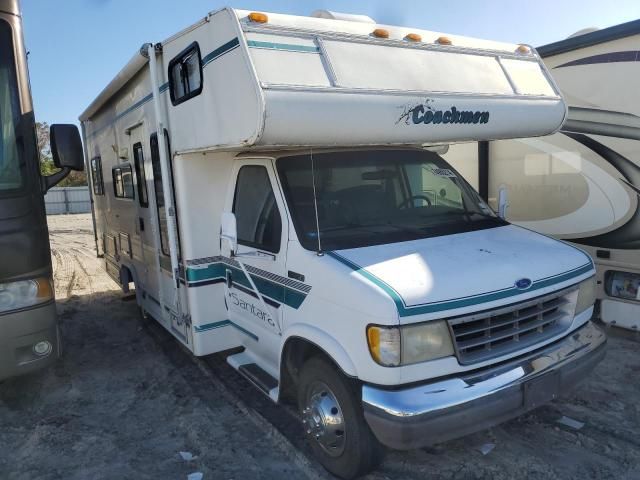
(140, 154)
(262, 242)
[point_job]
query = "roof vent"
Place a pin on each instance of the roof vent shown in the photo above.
(584, 31)
(349, 17)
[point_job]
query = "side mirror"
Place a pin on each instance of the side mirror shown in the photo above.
(66, 149)
(229, 232)
(503, 201)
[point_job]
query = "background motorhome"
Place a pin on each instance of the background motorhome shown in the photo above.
(29, 337)
(583, 184)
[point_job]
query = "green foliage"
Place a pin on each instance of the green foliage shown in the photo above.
(74, 179)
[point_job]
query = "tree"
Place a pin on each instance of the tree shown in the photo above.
(74, 179)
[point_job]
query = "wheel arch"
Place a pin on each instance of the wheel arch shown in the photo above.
(303, 343)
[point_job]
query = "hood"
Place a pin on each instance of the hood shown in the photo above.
(467, 272)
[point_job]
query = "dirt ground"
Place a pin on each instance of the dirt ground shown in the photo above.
(125, 399)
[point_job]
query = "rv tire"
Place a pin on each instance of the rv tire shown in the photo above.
(345, 446)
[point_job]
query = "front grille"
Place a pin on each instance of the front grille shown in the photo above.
(494, 333)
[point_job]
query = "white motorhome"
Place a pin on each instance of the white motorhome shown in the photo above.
(275, 183)
(583, 183)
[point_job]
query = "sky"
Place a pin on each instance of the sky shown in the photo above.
(77, 46)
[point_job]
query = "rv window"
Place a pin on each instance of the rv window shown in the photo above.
(123, 182)
(157, 187)
(141, 177)
(96, 176)
(185, 75)
(257, 215)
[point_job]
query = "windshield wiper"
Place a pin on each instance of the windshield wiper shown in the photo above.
(367, 227)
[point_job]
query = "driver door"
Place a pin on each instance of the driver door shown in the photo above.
(262, 240)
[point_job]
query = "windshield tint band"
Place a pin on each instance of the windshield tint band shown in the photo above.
(11, 166)
(461, 302)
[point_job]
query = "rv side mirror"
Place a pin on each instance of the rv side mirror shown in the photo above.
(229, 232)
(503, 201)
(66, 147)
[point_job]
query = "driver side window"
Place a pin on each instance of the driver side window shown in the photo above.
(254, 205)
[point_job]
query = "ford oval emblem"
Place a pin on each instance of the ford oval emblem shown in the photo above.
(523, 284)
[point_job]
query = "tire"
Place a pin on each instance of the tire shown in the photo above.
(323, 390)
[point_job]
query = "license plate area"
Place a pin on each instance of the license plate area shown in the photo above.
(541, 390)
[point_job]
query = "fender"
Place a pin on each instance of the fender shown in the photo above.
(323, 341)
(132, 271)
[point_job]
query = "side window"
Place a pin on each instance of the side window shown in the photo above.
(256, 211)
(185, 75)
(96, 176)
(141, 177)
(158, 189)
(123, 182)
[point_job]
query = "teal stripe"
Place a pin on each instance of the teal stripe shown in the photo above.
(245, 331)
(283, 46)
(218, 52)
(395, 296)
(405, 311)
(212, 326)
(225, 323)
(275, 291)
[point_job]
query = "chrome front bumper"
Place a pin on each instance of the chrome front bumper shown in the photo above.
(456, 406)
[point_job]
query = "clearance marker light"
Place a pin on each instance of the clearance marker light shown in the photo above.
(380, 33)
(444, 41)
(414, 37)
(523, 49)
(258, 17)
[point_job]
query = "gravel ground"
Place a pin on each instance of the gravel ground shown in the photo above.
(125, 399)
(117, 406)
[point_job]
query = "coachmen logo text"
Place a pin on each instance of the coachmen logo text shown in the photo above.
(426, 113)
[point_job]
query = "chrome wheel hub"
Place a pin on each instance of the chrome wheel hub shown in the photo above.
(323, 421)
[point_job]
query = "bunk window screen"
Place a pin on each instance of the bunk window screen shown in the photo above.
(185, 75)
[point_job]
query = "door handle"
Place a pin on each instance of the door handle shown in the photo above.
(229, 278)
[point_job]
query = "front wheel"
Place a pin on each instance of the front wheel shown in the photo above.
(333, 421)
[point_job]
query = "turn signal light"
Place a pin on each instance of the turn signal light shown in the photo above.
(523, 49)
(414, 37)
(258, 17)
(380, 33)
(444, 41)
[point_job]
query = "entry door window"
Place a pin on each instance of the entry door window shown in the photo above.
(257, 215)
(159, 191)
(141, 178)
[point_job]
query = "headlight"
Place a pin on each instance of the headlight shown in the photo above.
(25, 293)
(393, 346)
(586, 295)
(384, 345)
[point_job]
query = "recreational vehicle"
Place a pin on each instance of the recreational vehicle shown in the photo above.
(582, 184)
(28, 322)
(275, 185)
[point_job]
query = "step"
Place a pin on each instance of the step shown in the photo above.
(249, 369)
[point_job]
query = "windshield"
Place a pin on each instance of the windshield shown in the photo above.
(373, 197)
(10, 165)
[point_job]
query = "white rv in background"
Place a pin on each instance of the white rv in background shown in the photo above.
(274, 183)
(583, 184)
